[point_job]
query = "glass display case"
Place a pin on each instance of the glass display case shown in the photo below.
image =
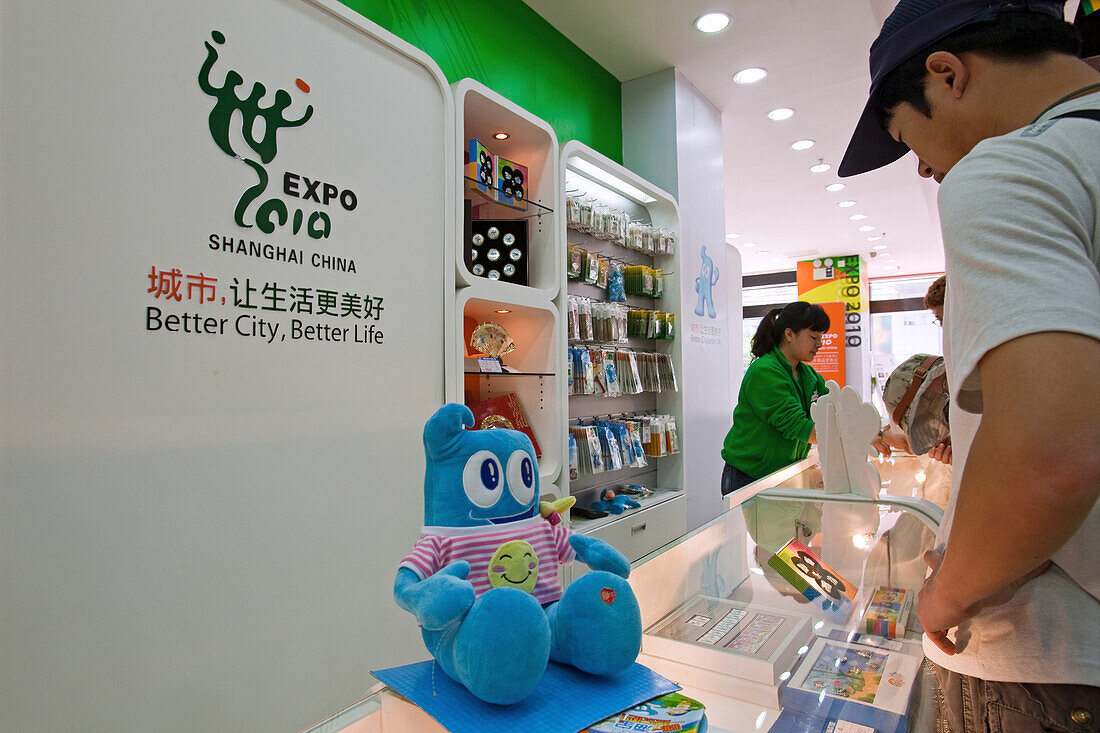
(760, 614)
(763, 608)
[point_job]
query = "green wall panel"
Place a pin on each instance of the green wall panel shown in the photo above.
(511, 49)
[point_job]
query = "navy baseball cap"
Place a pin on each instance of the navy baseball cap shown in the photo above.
(913, 25)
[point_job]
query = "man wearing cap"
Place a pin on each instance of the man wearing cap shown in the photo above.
(993, 100)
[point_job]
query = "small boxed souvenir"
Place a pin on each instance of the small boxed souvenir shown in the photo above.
(481, 169)
(511, 180)
(497, 249)
(859, 684)
(888, 612)
(815, 579)
(504, 411)
(733, 638)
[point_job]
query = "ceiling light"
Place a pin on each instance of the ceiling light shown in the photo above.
(857, 217)
(821, 166)
(732, 235)
(867, 229)
(712, 22)
(781, 113)
(802, 144)
(502, 311)
(750, 75)
(875, 238)
(891, 268)
(749, 244)
(846, 204)
(582, 166)
(834, 187)
(502, 135)
(763, 252)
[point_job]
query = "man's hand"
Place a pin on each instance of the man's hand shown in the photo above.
(941, 452)
(939, 611)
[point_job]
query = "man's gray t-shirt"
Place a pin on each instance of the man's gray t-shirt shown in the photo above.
(1021, 226)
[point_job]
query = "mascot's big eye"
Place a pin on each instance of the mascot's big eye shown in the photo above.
(482, 479)
(521, 476)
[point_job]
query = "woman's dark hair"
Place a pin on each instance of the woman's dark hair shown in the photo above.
(795, 316)
(1012, 36)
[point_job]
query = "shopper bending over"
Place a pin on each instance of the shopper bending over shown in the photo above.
(994, 102)
(772, 427)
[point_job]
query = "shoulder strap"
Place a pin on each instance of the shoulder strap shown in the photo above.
(918, 378)
(1085, 114)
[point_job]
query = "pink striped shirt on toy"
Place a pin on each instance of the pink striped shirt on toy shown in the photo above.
(499, 555)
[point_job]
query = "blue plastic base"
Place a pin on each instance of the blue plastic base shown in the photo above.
(566, 699)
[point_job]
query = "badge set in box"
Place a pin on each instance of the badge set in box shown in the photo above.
(497, 249)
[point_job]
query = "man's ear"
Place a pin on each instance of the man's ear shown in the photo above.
(947, 72)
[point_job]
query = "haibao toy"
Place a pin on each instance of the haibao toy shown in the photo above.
(482, 580)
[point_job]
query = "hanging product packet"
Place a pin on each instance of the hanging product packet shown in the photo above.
(604, 269)
(575, 258)
(587, 331)
(599, 371)
(611, 373)
(615, 290)
(574, 466)
(591, 268)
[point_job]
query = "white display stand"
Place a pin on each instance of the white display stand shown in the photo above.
(206, 490)
(846, 427)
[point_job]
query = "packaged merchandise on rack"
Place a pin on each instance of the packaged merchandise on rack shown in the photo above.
(616, 291)
(591, 268)
(574, 259)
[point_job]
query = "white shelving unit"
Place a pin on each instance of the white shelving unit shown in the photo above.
(531, 313)
(662, 517)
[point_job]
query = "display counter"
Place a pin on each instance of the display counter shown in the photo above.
(744, 633)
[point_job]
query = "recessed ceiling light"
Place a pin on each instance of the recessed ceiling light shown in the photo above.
(846, 204)
(857, 217)
(802, 144)
(891, 268)
(502, 135)
(763, 252)
(834, 187)
(821, 167)
(502, 311)
(712, 22)
(781, 113)
(875, 238)
(750, 75)
(732, 235)
(749, 244)
(867, 229)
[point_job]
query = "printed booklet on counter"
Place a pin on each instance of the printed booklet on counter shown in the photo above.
(671, 713)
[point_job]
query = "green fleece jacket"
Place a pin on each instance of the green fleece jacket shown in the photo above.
(771, 422)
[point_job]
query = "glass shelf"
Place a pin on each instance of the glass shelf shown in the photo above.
(509, 374)
(477, 201)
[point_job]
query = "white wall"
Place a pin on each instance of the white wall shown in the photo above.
(672, 135)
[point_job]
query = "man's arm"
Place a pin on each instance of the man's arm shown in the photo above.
(1031, 477)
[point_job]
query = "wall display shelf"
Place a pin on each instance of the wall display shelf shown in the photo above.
(532, 145)
(509, 195)
(599, 184)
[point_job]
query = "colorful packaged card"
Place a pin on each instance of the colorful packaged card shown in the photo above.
(481, 169)
(511, 180)
(813, 578)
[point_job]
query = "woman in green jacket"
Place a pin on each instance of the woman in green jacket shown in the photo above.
(772, 427)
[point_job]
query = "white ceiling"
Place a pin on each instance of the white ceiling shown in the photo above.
(815, 52)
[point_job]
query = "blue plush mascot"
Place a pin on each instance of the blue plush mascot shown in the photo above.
(482, 580)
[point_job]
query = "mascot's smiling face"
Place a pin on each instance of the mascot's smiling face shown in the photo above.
(476, 477)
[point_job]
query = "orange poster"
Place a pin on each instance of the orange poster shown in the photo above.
(829, 361)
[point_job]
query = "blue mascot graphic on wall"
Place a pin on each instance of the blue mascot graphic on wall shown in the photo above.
(482, 580)
(704, 285)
